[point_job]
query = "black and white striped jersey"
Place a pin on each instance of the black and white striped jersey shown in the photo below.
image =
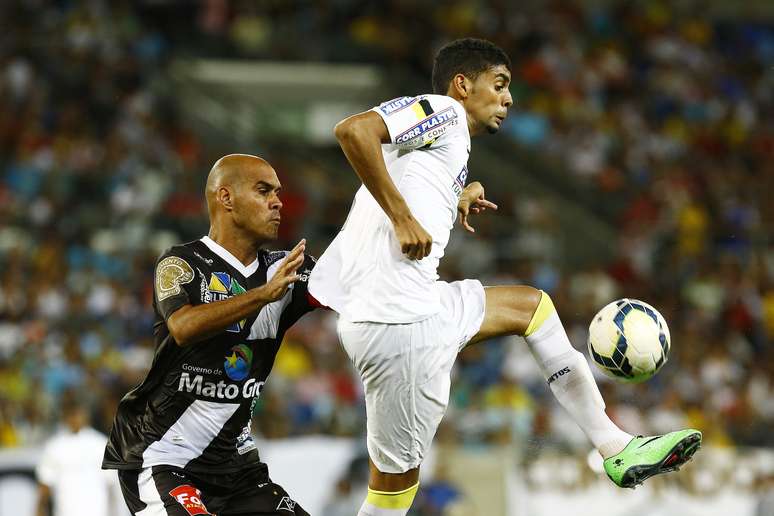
(193, 409)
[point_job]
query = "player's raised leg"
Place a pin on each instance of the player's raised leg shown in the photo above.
(522, 310)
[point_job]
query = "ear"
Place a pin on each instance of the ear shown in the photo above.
(461, 85)
(225, 198)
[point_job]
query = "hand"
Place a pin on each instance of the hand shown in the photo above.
(276, 287)
(472, 201)
(414, 241)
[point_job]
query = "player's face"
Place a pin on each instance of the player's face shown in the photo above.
(489, 99)
(257, 205)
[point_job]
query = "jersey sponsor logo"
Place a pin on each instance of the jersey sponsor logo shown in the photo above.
(171, 273)
(462, 178)
(190, 498)
(459, 183)
(286, 504)
(245, 441)
(237, 364)
(430, 128)
(391, 106)
(557, 374)
(222, 391)
(223, 286)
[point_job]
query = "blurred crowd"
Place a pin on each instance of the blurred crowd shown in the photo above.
(659, 122)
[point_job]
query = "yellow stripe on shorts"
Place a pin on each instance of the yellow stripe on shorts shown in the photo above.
(544, 309)
(399, 500)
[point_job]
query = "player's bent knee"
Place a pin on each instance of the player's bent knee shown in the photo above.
(544, 310)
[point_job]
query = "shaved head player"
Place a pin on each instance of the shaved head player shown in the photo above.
(181, 440)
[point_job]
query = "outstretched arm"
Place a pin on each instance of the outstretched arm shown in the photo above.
(360, 137)
(190, 324)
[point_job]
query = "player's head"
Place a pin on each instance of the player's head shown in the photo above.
(477, 73)
(243, 194)
(74, 414)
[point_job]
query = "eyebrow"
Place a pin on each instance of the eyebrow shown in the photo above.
(502, 76)
(271, 186)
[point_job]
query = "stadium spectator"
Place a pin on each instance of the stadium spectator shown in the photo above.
(69, 472)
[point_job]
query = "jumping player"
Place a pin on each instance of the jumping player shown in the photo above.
(402, 327)
(181, 440)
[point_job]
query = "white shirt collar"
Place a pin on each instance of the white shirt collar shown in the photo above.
(245, 270)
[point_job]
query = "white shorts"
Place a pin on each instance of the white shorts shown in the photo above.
(405, 369)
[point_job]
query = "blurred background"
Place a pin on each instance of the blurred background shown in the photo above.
(638, 161)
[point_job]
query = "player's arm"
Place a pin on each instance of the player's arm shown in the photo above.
(190, 324)
(472, 200)
(360, 137)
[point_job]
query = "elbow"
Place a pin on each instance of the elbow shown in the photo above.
(346, 130)
(343, 131)
(181, 337)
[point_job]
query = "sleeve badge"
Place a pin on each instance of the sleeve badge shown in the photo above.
(171, 273)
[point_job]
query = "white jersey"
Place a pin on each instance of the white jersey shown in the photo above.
(363, 274)
(71, 467)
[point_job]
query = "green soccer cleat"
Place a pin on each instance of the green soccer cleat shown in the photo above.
(644, 457)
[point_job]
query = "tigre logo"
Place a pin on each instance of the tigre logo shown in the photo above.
(559, 373)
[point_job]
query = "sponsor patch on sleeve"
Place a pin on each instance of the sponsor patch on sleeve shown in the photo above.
(171, 273)
(391, 106)
(428, 129)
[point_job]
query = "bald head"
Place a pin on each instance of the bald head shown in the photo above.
(243, 194)
(231, 171)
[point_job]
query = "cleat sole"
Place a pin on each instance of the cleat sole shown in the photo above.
(679, 455)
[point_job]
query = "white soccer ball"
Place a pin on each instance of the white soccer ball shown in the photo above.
(629, 340)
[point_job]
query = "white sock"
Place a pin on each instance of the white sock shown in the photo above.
(573, 385)
(367, 509)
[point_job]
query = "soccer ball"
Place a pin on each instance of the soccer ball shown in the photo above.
(629, 340)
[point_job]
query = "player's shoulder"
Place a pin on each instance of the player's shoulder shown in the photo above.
(421, 121)
(423, 105)
(194, 253)
(178, 265)
(439, 102)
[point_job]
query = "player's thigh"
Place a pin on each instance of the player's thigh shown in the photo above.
(508, 311)
(162, 493)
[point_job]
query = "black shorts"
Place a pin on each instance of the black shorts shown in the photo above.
(171, 491)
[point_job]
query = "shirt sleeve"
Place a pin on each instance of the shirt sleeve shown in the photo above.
(303, 301)
(415, 122)
(276, 317)
(172, 284)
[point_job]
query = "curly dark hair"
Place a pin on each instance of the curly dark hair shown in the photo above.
(468, 56)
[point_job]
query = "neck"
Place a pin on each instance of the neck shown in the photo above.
(242, 246)
(473, 129)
